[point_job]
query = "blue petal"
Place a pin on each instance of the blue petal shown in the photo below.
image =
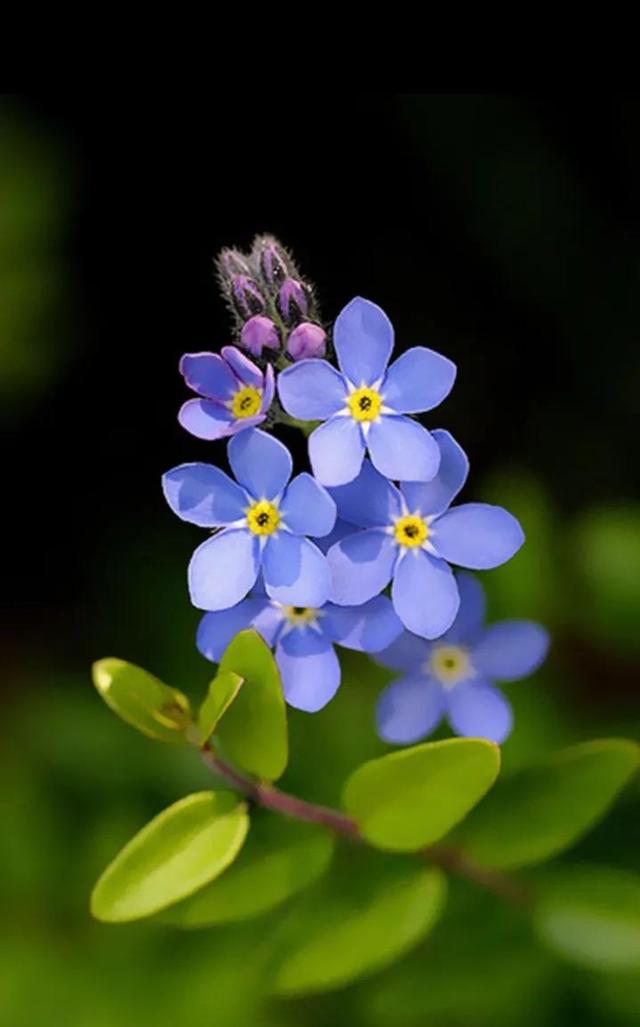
(510, 650)
(418, 380)
(260, 463)
(336, 450)
(477, 710)
(223, 569)
(295, 572)
(340, 530)
(206, 419)
(203, 494)
(208, 375)
(424, 594)
(409, 709)
(363, 339)
(245, 369)
(477, 535)
(370, 500)
(312, 390)
(470, 617)
(216, 630)
(269, 389)
(433, 497)
(309, 669)
(367, 628)
(402, 449)
(307, 508)
(408, 653)
(361, 566)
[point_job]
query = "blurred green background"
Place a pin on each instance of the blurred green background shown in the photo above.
(501, 230)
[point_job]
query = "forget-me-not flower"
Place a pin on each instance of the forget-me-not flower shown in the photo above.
(364, 404)
(264, 524)
(453, 676)
(233, 393)
(410, 535)
(303, 639)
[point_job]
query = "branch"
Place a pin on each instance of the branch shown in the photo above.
(272, 798)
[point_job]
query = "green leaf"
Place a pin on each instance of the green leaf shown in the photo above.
(591, 916)
(253, 732)
(179, 851)
(543, 809)
(281, 858)
(142, 700)
(409, 799)
(222, 691)
(347, 937)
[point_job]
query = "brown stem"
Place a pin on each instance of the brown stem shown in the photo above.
(281, 802)
(450, 859)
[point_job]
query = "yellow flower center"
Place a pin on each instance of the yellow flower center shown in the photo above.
(449, 664)
(246, 401)
(298, 616)
(410, 531)
(364, 404)
(263, 517)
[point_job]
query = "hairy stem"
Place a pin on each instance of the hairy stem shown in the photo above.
(269, 797)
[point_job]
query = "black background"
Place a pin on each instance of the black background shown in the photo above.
(502, 231)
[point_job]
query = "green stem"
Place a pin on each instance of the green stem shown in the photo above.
(269, 797)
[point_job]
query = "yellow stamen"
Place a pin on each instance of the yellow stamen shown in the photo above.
(263, 518)
(297, 616)
(364, 404)
(410, 531)
(246, 401)
(449, 664)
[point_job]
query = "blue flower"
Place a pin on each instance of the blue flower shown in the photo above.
(411, 535)
(364, 404)
(235, 394)
(264, 524)
(303, 638)
(453, 676)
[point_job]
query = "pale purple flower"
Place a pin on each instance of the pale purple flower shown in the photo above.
(233, 393)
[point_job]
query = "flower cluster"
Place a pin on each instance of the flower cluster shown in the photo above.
(306, 560)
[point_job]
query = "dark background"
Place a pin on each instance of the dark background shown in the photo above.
(502, 231)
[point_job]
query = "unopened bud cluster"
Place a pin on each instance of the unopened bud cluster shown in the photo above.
(273, 306)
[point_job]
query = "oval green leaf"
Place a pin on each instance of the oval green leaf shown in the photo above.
(542, 810)
(276, 863)
(591, 916)
(179, 851)
(409, 799)
(222, 691)
(345, 940)
(253, 731)
(155, 709)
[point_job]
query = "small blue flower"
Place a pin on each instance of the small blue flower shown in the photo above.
(453, 677)
(411, 536)
(264, 524)
(234, 393)
(303, 639)
(365, 405)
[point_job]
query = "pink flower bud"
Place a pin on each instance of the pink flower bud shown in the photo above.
(307, 340)
(257, 333)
